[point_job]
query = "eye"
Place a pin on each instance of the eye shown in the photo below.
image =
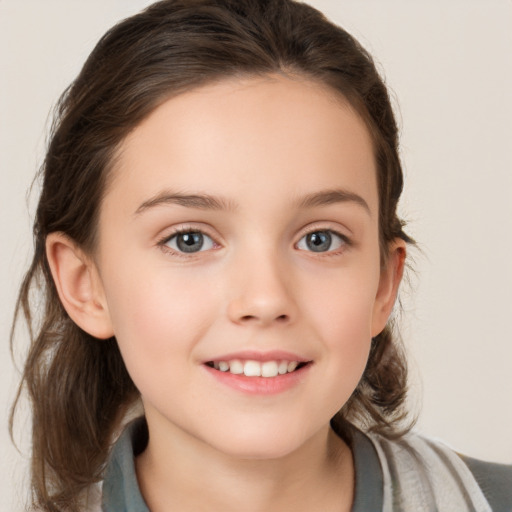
(322, 241)
(189, 242)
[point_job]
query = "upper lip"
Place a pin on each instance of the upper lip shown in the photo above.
(261, 356)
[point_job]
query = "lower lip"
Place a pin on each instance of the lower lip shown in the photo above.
(260, 385)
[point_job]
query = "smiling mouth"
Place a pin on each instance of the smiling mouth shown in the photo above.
(251, 368)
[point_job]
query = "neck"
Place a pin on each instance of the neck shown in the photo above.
(193, 476)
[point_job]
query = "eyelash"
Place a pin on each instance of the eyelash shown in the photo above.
(184, 230)
(346, 242)
(162, 243)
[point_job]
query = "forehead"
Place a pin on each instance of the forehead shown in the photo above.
(258, 136)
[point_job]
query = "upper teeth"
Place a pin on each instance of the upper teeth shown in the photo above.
(255, 368)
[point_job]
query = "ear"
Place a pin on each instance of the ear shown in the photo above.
(390, 278)
(79, 285)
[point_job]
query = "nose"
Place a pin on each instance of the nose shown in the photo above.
(261, 293)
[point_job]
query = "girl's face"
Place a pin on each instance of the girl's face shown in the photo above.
(240, 231)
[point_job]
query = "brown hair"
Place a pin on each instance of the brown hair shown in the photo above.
(78, 386)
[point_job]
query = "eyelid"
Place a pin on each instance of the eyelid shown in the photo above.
(182, 229)
(347, 241)
(204, 230)
(334, 227)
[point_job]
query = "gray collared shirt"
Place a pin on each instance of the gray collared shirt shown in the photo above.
(121, 492)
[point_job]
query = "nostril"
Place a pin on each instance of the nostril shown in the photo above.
(248, 318)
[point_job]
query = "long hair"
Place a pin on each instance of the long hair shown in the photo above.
(78, 386)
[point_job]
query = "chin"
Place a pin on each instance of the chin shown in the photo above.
(260, 443)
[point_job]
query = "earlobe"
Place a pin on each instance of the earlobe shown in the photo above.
(391, 276)
(78, 285)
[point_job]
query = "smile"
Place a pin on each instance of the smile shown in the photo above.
(251, 368)
(259, 373)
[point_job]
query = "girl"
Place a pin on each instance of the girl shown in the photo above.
(217, 240)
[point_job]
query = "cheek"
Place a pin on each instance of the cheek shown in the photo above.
(158, 318)
(342, 311)
(343, 303)
(349, 339)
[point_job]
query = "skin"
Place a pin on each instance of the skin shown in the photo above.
(262, 146)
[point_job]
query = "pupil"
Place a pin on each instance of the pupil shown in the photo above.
(319, 241)
(190, 242)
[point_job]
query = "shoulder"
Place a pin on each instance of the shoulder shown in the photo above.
(421, 472)
(494, 479)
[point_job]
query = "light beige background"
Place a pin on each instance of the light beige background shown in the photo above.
(449, 65)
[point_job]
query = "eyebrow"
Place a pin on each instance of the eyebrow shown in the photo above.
(327, 197)
(209, 202)
(198, 201)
